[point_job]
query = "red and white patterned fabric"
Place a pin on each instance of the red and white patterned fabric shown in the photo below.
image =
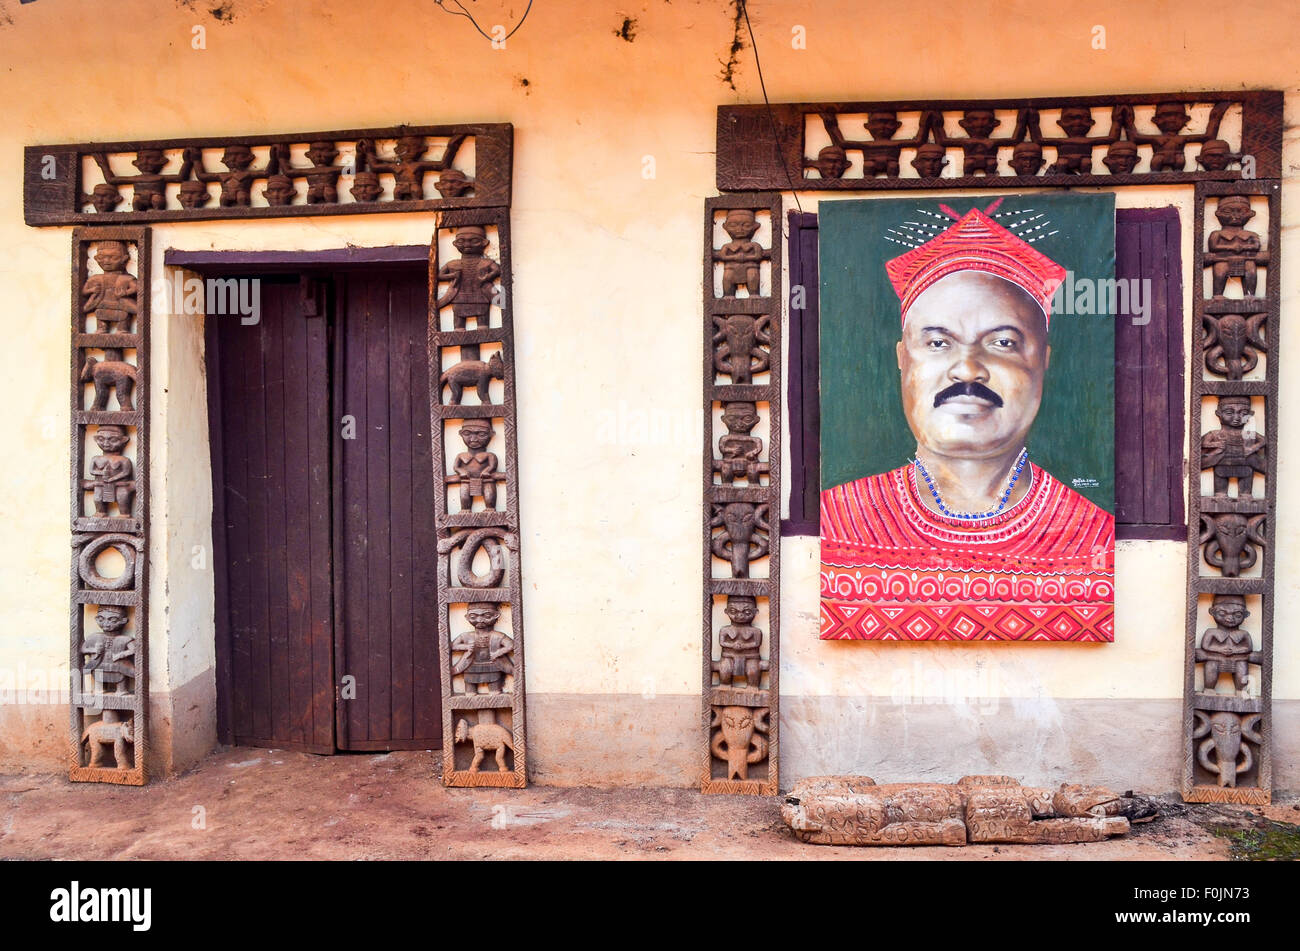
(891, 569)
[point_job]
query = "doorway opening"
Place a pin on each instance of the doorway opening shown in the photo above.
(323, 511)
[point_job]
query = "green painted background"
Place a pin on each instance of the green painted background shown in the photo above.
(863, 430)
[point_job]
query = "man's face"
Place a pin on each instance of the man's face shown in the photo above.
(972, 357)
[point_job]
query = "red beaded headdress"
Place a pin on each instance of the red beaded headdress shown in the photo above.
(975, 243)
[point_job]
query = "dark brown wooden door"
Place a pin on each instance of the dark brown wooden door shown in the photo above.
(385, 550)
(323, 518)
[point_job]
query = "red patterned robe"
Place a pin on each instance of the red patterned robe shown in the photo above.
(891, 569)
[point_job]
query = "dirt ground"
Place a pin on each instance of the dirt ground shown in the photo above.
(247, 803)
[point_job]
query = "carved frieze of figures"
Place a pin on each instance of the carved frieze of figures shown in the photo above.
(741, 257)
(485, 652)
(1232, 452)
(853, 810)
(745, 534)
(1226, 740)
(1226, 648)
(1233, 343)
(740, 345)
(1229, 541)
(739, 738)
(1233, 250)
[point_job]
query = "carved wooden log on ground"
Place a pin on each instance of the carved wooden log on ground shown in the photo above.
(853, 810)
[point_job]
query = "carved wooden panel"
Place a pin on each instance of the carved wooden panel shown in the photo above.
(475, 460)
(1074, 141)
(357, 171)
(742, 492)
(1227, 717)
(110, 502)
(1225, 144)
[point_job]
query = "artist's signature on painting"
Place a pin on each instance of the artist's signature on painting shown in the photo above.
(1084, 483)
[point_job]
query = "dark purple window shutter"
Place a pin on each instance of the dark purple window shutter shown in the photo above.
(1148, 379)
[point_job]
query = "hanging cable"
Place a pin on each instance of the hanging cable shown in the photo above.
(771, 118)
(462, 12)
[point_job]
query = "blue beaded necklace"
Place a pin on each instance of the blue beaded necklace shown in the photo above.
(1002, 502)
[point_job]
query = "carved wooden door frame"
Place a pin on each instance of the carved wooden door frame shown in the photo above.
(110, 356)
(762, 152)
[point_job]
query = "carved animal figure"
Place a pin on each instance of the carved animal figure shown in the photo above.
(110, 374)
(739, 739)
(109, 732)
(487, 738)
(1230, 541)
(474, 373)
(853, 810)
(745, 535)
(1232, 343)
(1227, 732)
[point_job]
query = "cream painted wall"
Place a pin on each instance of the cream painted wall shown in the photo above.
(607, 288)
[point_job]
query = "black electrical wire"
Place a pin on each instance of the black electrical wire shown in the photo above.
(776, 140)
(462, 12)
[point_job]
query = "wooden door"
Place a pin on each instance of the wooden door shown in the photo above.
(270, 433)
(324, 519)
(385, 566)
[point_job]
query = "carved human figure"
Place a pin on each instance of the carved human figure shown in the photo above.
(1225, 743)
(1216, 155)
(739, 450)
(472, 277)
(1232, 343)
(237, 180)
(745, 534)
(739, 738)
(485, 653)
(979, 148)
(476, 467)
(109, 731)
(279, 191)
(111, 298)
(194, 195)
(1230, 451)
(473, 373)
(880, 155)
(740, 345)
(453, 183)
(1027, 158)
(409, 166)
(322, 175)
(109, 655)
(1233, 250)
(104, 198)
(740, 643)
(1226, 648)
(1074, 151)
(366, 187)
(112, 475)
(149, 187)
(741, 257)
(1229, 541)
(487, 738)
(1168, 147)
(930, 160)
(831, 162)
(1121, 158)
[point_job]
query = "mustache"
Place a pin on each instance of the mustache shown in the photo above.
(974, 388)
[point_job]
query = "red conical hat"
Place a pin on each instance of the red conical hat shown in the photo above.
(975, 243)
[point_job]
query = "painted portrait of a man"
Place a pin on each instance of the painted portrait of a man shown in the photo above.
(968, 536)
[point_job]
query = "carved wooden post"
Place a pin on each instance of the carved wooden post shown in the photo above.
(109, 653)
(1227, 754)
(742, 492)
(475, 459)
